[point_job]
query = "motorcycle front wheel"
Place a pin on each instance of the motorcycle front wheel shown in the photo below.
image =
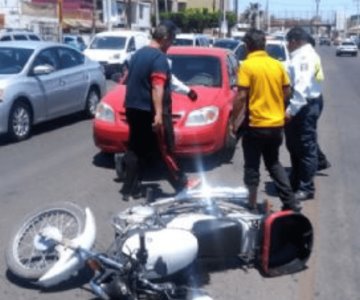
(28, 255)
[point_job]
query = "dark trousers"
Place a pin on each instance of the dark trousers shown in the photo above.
(301, 142)
(265, 143)
(142, 142)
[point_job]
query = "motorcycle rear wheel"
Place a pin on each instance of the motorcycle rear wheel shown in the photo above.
(29, 259)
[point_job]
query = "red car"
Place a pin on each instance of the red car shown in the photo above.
(201, 127)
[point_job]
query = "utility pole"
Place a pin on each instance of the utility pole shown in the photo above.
(157, 17)
(93, 25)
(357, 17)
(60, 19)
(317, 18)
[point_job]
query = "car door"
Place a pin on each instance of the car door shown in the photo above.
(74, 78)
(51, 84)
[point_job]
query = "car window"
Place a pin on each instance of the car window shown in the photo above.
(276, 51)
(197, 69)
(20, 37)
(182, 42)
(69, 58)
(231, 66)
(241, 52)
(228, 44)
(131, 46)
(108, 42)
(34, 37)
(13, 60)
(347, 44)
(80, 40)
(197, 42)
(5, 38)
(47, 57)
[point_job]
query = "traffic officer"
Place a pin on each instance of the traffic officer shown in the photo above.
(303, 112)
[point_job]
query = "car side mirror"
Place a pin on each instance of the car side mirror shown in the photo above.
(43, 69)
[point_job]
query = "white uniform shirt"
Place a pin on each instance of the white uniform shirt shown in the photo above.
(306, 76)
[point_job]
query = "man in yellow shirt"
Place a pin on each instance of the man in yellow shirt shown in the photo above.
(263, 87)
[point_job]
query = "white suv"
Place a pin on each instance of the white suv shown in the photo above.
(113, 48)
(18, 36)
(190, 39)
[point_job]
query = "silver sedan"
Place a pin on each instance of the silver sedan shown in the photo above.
(40, 81)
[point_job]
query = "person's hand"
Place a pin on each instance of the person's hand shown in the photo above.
(158, 121)
(288, 117)
(192, 95)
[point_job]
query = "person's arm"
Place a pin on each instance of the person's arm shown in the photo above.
(238, 106)
(157, 92)
(301, 80)
(178, 86)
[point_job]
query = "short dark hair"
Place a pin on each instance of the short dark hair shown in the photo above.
(255, 39)
(297, 34)
(165, 30)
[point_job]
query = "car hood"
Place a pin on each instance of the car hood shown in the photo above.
(181, 103)
(4, 79)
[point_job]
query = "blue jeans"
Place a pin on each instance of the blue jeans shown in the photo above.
(301, 142)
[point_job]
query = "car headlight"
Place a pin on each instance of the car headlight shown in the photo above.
(105, 112)
(203, 116)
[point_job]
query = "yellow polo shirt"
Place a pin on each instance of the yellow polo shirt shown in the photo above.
(265, 78)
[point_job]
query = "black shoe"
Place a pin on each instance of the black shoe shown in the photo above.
(324, 165)
(301, 195)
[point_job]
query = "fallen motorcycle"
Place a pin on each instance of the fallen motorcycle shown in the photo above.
(157, 240)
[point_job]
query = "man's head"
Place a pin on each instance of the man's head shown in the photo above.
(296, 37)
(164, 34)
(254, 40)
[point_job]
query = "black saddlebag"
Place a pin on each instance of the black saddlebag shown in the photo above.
(286, 243)
(218, 237)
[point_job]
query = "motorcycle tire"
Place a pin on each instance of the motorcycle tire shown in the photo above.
(23, 257)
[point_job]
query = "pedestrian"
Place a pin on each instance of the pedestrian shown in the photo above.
(323, 162)
(263, 88)
(148, 111)
(303, 112)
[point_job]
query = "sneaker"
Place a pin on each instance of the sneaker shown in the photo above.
(193, 183)
(324, 165)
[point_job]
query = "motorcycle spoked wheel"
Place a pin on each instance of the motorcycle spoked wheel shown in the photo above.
(27, 255)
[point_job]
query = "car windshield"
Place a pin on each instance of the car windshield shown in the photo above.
(276, 51)
(197, 69)
(13, 60)
(182, 42)
(108, 42)
(228, 44)
(348, 44)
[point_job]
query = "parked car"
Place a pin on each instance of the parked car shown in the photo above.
(114, 48)
(201, 127)
(16, 35)
(347, 47)
(323, 40)
(278, 50)
(191, 39)
(236, 46)
(40, 81)
(75, 41)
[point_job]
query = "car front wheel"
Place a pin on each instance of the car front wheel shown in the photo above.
(19, 124)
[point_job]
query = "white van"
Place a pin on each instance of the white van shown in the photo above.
(15, 35)
(113, 48)
(191, 39)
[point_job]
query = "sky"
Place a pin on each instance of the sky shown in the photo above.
(303, 8)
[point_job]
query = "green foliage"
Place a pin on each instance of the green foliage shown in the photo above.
(196, 20)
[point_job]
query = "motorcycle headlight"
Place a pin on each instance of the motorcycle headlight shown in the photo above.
(105, 112)
(203, 116)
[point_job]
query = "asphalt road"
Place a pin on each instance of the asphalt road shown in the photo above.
(60, 162)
